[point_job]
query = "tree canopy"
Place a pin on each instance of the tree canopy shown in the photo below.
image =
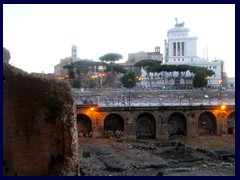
(129, 79)
(199, 79)
(148, 65)
(116, 68)
(111, 57)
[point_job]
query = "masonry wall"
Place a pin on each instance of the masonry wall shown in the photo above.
(39, 126)
(160, 115)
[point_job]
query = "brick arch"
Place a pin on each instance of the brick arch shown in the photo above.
(113, 122)
(146, 126)
(177, 124)
(207, 123)
(231, 123)
(84, 125)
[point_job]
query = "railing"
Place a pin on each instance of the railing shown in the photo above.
(136, 102)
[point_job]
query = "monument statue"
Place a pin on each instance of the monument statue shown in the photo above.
(179, 24)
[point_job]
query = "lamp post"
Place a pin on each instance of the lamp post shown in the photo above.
(208, 80)
(129, 83)
(220, 88)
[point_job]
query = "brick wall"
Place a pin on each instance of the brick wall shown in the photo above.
(33, 137)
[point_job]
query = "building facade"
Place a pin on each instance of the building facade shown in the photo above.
(135, 57)
(61, 72)
(181, 49)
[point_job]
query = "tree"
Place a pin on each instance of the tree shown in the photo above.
(199, 79)
(92, 83)
(70, 68)
(129, 79)
(111, 57)
(115, 68)
(80, 69)
(182, 71)
(148, 65)
(76, 83)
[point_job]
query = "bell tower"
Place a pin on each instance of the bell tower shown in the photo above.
(74, 51)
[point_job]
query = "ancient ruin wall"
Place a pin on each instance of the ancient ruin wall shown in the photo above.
(39, 125)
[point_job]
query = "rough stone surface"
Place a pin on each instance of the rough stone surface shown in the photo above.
(172, 157)
(38, 134)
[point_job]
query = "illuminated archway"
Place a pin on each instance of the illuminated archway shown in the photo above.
(231, 123)
(146, 126)
(177, 125)
(207, 124)
(84, 125)
(113, 122)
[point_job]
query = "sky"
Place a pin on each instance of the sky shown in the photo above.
(38, 36)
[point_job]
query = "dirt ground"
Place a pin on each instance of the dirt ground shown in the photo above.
(178, 156)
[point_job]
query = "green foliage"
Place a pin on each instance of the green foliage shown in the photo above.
(199, 79)
(76, 83)
(86, 154)
(54, 105)
(82, 67)
(147, 64)
(71, 73)
(129, 79)
(111, 57)
(92, 83)
(116, 68)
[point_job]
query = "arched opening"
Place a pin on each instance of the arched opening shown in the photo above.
(231, 123)
(177, 125)
(146, 126)
(113, 123)
(207, 124)
(84, 125)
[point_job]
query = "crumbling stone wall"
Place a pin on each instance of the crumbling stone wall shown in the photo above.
(39, 126)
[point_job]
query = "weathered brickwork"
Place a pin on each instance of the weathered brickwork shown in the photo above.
(190, 116)
(39, 124)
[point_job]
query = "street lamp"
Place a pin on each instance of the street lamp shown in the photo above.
(208, 80)
(220, 88)
(129, 83)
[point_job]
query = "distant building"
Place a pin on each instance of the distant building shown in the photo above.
(135, 57)
(61, 72)
(231, 83)
(74, 51)
(180, 48)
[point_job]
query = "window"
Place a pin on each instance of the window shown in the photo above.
(174, 49)
(192, 59)
(182, 59)
(178, 59)
(182, 48)
(178, 48)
